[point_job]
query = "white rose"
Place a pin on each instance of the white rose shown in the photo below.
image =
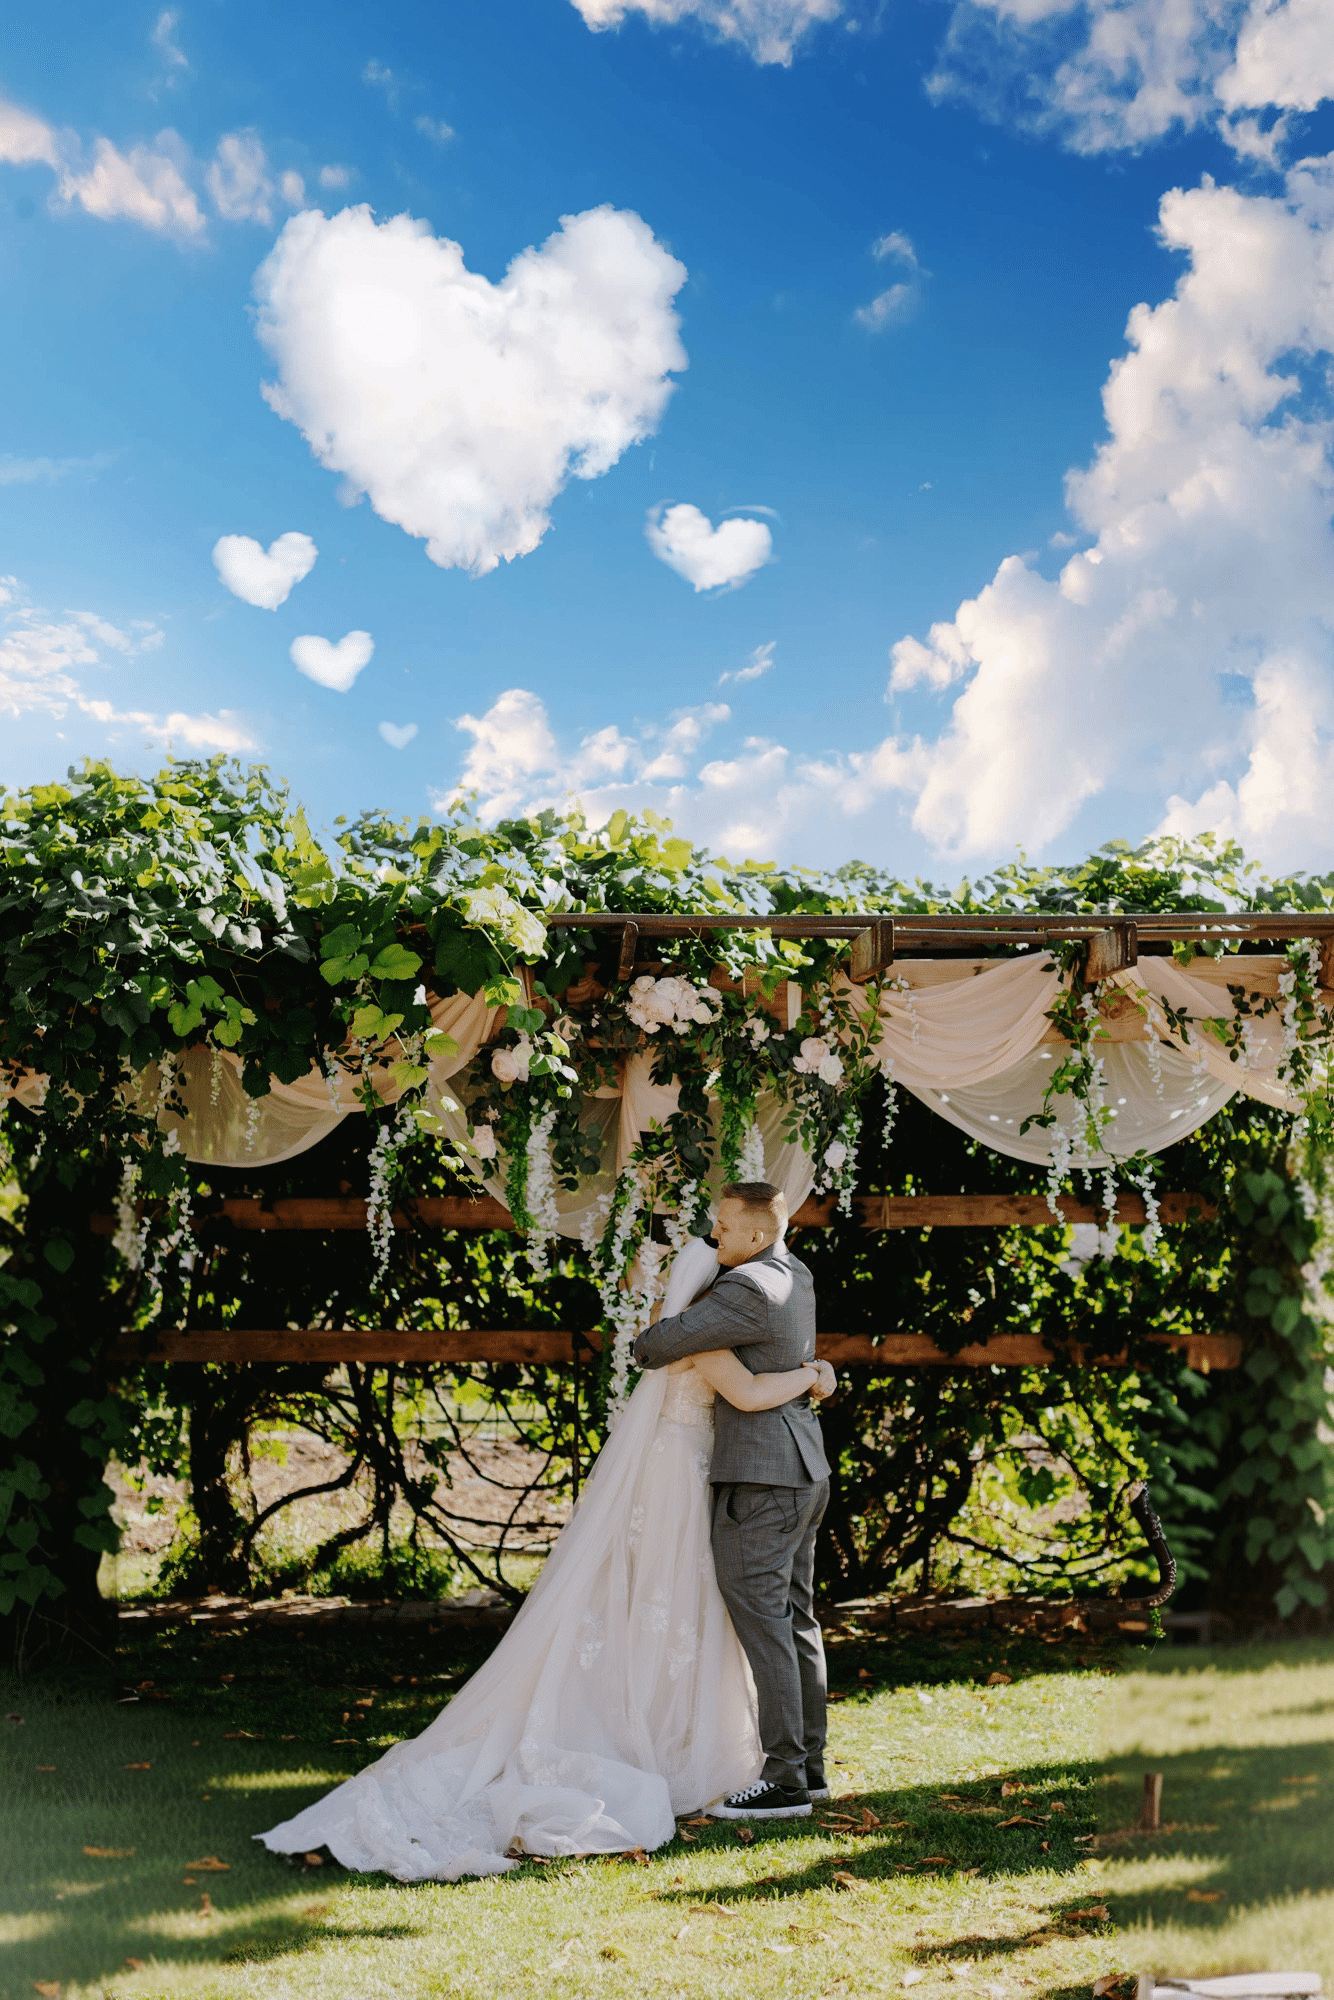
(484, 1140)
(835, 1155)
(758, 1030)
(503, 1066)
(829, 1069)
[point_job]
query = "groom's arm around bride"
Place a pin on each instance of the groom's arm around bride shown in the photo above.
(771, 1485)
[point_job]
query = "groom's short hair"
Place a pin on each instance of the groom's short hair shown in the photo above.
(763, 1198)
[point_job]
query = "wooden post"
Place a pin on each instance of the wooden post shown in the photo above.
(629, 946)
(1151, 1818)
(1111, 950)
(872, 951)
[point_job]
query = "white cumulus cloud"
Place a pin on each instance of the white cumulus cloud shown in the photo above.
(768, 30)
(265, 578)
(1189, 649)
(1122, 73)
(516, 763)
(333, 665)
(760, 663)
(710, 558)
(38, 655)
(462, 407)
(26, 140)
(238, 179)
(147, 185)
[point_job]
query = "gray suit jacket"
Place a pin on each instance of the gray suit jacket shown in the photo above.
(764, 1311)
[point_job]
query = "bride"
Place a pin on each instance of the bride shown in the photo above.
(619, 1697)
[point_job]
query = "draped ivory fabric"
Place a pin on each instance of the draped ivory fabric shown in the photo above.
(971, 1038)
(617, 1116)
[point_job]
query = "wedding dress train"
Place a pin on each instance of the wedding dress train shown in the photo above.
(619, 1697)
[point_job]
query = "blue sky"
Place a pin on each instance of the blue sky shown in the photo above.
(893, 542)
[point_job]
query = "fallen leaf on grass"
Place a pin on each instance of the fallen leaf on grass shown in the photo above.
(869, 1821)
(843, 1880)
(210, 1865)
(1312, 1780)
(313, 1860)
(49, 1987)
(1096, 1913)
(13, 1716)
(998, 1680)
(1206, 1895)
(711, 1910)
(145, 1766)
(745, 1834)
(935, 1861)
(46, 1767)
(205, 1903)
(637, 1855)
(342, 1742)
(1113, 1983)
(1019, 1820)
(187, 1881)
(240, 1736)
(686, 1836)
(109, 1853)
(317, 1909)
(1008, 1789)
(134, 1965)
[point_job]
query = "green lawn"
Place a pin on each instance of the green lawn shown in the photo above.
(938, 1896)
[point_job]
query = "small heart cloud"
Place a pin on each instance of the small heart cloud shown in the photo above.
(333, 666)
(398, 735)
(721, 558)
(263, 577)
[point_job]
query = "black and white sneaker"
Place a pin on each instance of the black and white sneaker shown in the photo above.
(816, 1786)
(764, 1802)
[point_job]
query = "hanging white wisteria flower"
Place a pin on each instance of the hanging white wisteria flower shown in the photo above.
(751, 1164)
(493, 909)
(654, 1004)
(540, 1191)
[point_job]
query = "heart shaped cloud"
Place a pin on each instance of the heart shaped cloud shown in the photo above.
(333, 666)
(461, 406)
(264, 578)
(398, 735)
(720, 558)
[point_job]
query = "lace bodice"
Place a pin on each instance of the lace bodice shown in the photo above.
(689, 1400)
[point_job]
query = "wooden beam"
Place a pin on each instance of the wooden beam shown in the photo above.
(873, 1211)
(379, 1346)
(872, 951)
(625, 964)
(993, 1211)
(348, 1212)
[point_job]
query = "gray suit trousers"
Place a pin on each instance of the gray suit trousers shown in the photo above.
(764, 1555)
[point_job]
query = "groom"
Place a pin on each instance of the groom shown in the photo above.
(770, 1489)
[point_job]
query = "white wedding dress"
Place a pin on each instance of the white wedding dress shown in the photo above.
(618, 1699)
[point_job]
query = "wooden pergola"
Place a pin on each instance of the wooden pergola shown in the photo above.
(877, 940)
